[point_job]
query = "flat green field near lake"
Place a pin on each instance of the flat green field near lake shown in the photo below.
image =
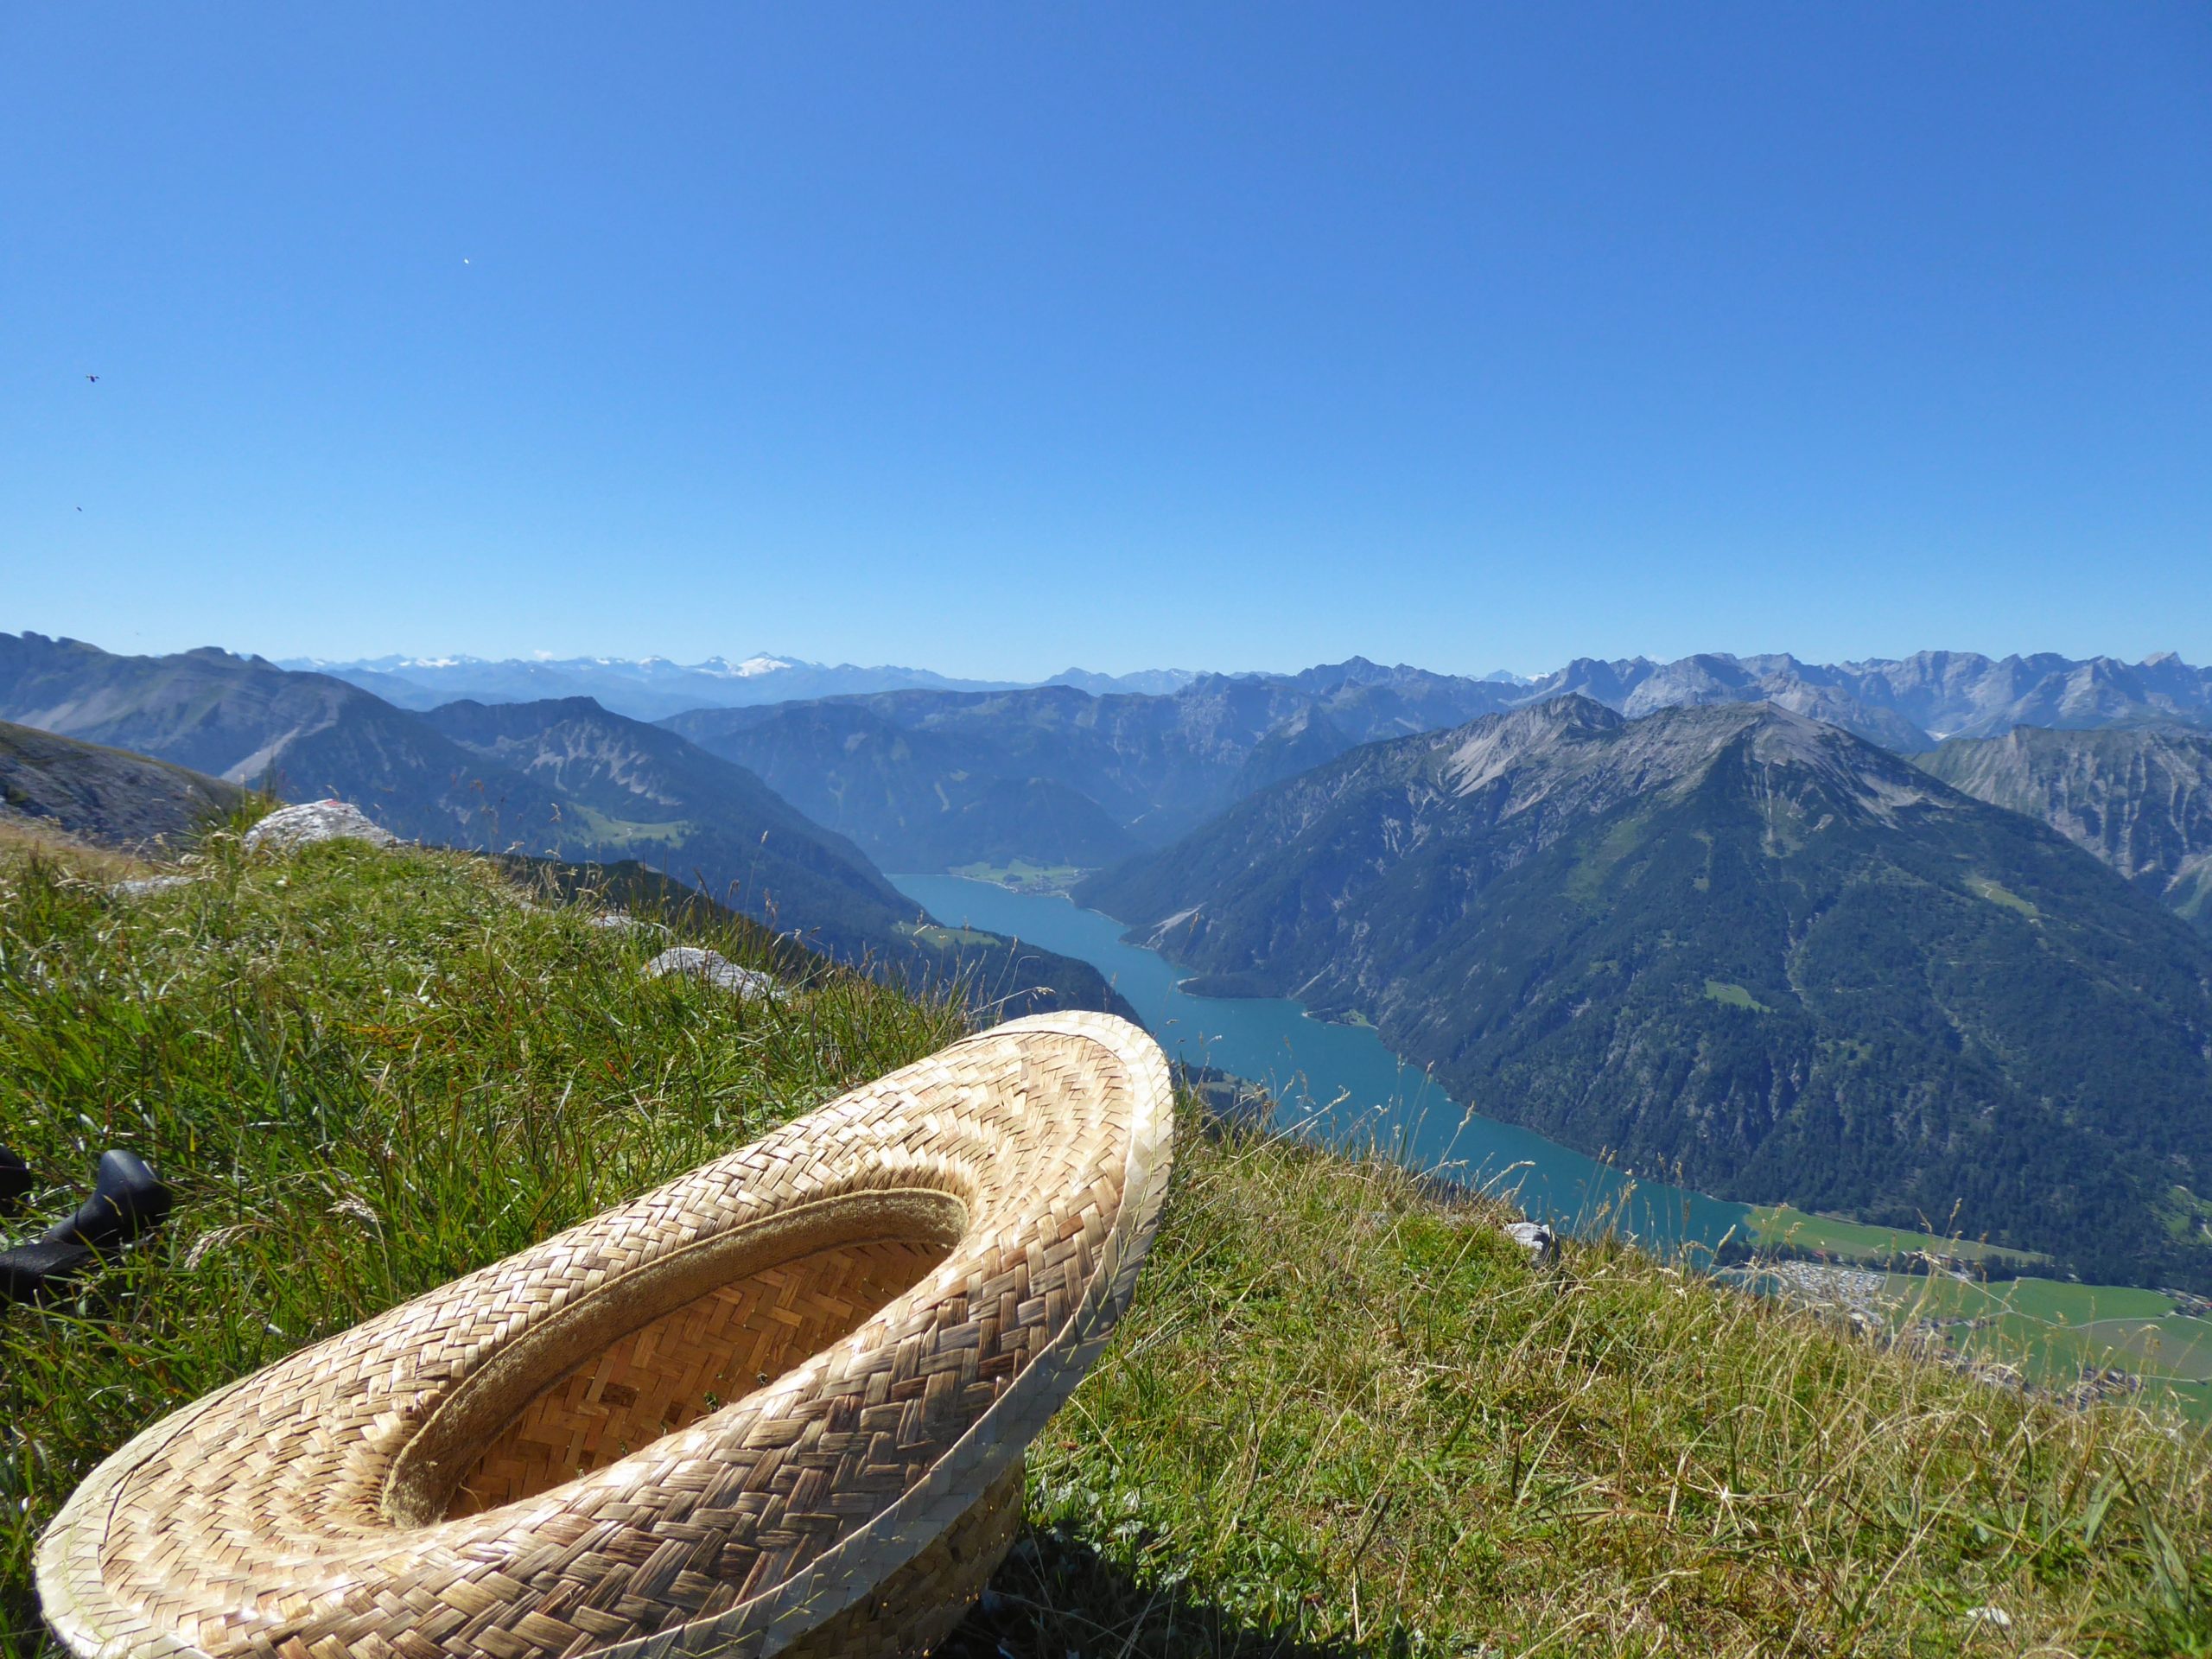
(2055, 1330)
(1780, 1224)
(1023, 876)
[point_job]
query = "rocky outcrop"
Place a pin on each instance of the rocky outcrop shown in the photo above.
(290, 828)
(1541, 1242)
(2140, 799)
(746, 984)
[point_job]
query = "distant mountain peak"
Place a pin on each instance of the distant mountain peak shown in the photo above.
(747, 667)
(1575, 752)
(1490, 745)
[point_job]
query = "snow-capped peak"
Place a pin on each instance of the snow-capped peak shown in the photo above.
(750, 667)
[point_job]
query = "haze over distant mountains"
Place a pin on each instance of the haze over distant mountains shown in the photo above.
(934, 780)
(651, 688)
(1909, 703)
(559, 778)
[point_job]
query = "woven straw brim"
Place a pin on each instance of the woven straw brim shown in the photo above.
(778, 1403)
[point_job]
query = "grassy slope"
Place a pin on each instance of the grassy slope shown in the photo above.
(364, 1073)
(1337, 1420)
(1341, 1416)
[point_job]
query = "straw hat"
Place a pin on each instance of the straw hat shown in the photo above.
(778, 1406)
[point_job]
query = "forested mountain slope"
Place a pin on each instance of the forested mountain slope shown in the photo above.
(2139, 798)
(1741, 944)
(929, 780)
(914, 799)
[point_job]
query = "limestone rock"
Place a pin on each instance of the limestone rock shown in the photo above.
(290, 827)
(746, 983)
(621, 921)
(146, 886)
(1541, 1242)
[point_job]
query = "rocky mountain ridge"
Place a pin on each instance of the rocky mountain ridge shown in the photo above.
(2139, 798)
(1734, 942)
(1907, 703)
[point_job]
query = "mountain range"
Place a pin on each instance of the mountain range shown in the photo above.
(561, 778)
(1907, 703)
(1736, 943)
(939, 779)
(651, 688)
(933, 780)
(2139, 798)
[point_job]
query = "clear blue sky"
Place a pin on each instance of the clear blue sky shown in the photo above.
(996, 339)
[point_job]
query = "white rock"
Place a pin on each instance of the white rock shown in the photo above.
(621, 921)
(1996, 1618)
(717, 969)
(291, 827)
(145, 886)
(1534, 1238)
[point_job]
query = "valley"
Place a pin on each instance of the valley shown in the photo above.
(1746, 944)
(1338, 1083)
(1671, 928)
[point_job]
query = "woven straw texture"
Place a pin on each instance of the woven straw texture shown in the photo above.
(778, 1406)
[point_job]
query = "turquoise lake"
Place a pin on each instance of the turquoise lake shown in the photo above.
(1338, 1083)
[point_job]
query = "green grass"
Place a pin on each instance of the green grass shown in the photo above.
(1780, 1224)
(933, 934)
(2042, 1301)
(1338, 1419)
(1341, 1420)
(1734, 996)
(2055, 1330)
(623, 832)
(1998, 894)
(1023, 875)
(364, 1073)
